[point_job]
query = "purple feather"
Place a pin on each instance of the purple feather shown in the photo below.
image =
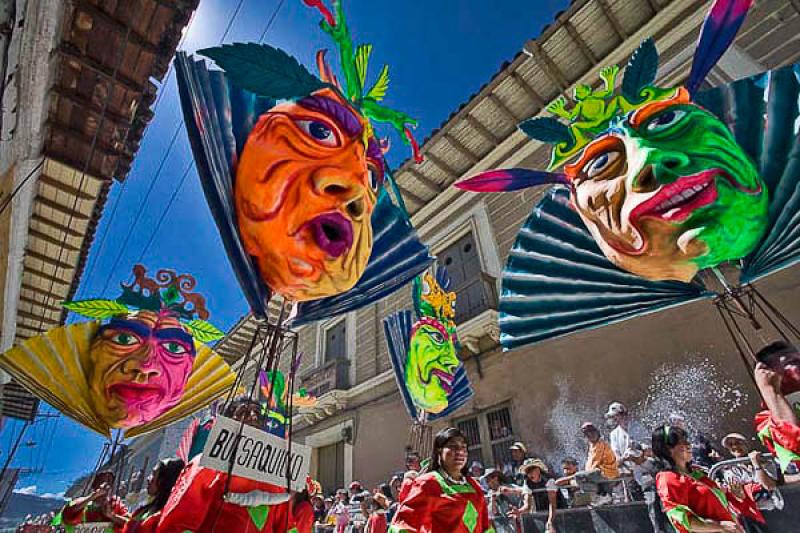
(719, 29)
(512, 179)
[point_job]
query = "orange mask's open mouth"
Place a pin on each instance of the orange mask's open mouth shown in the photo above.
(332, 232)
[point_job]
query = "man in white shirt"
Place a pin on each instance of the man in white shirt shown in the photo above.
(630, 442)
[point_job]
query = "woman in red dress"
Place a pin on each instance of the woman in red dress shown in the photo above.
(693, 501)
(159, 486)
(444, 499)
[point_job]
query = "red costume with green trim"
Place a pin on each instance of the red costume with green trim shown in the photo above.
(197, 505)
(434, 505)
(698, 495)
(142, 522)
(782, 439)
(72, 516)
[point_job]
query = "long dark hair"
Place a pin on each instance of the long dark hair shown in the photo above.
(664, 439)
(167, 475)
(439, 442)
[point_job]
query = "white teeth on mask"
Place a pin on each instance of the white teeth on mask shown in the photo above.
(299, 263)
(681, 197)
(672, 211)
(687, 237)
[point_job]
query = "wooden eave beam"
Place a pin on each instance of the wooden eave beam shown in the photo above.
(436, 160)
(578, 40)
(37, 303)
(425, 180)
(76, 215)
(547, 65)
(135, 37)
(482, 130)
(46, 276)
(33, 316)
(33, 254)
(538, 101)
(615, 24)
(55, 225)
(503, 109)
(29, 328)
(101, 69)
(101, 146)
(52, 240)
(460, 148)
(119, 121)
(63, 187)
(94, 171)
(410, 195)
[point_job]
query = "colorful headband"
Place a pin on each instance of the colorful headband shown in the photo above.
(167, 293)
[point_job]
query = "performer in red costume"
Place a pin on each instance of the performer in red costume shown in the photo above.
(777, 376)
(159, 487)
(302, 512)
(445, 499)
(693, 501)
(206, 501)
(99, 506)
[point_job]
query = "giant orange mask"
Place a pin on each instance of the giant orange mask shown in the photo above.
(305, 190)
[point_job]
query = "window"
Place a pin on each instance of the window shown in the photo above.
(472, 287)
(488, 435)
(336, 341)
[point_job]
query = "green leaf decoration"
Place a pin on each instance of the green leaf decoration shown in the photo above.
(378, 90)
(203, 331)
(640, 72)
(546, 129)
(264, 70)
(96, 308)
(362, 60)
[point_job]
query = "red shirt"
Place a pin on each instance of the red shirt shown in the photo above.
(782, 439)
(197, 505)
(142, 523)
(698, 495)
(434, 505)
(377, 523)
(303, 516)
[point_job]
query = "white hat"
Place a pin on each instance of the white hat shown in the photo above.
(616, 408)
(732, 436)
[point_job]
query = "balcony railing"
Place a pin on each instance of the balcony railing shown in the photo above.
(333, 375)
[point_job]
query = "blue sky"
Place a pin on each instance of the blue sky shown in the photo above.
(439, 52)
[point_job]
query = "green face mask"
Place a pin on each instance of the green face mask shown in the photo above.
(430, 368)
(668, 191)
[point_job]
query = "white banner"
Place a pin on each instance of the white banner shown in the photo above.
(260, 456)
(94, 527)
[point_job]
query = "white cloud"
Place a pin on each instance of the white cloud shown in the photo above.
(31, 491)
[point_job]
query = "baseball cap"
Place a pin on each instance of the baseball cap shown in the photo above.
(616, 408)
(490, 472)
(587, 426)
(355, 485)
(518, 446)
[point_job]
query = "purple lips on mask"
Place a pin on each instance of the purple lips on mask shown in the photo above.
(332, 232)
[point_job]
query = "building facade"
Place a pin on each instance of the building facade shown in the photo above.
(678, 360)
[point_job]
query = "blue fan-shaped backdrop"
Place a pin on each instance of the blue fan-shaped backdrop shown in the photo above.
(218, 117)
(557, 281)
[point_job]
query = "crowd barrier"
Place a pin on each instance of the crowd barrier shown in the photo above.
(632, 517)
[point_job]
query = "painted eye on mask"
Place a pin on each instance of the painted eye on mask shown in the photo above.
(601, 164)
(319, 131)
(437, 337)
(374, 178)
(665, 120)
(174, 348)
(124, 339)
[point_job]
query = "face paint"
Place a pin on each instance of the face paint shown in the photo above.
(140, 366)
(431, 366)
(669, 191)
(305, 191)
